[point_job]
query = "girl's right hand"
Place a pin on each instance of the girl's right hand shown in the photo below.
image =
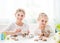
(18, 30)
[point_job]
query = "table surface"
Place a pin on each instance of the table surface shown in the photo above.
(28, 40)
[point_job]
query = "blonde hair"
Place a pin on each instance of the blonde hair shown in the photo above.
(42, 15)
(20, 10)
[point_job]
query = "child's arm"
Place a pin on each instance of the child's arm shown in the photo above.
(10, 33)
(13, 33)
(28, 32)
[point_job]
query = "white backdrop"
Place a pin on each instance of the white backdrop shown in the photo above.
(31, 7)
(57, 11)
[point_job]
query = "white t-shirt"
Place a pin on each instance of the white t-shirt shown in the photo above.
(14, 26)
(38, 31)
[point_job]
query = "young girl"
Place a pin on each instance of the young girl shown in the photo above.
(43, 30)
(18, 27)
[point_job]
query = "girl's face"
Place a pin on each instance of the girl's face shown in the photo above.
(43, 21)
(20, 16)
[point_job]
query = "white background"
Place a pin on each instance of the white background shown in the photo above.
(57, 11)
(32, 9)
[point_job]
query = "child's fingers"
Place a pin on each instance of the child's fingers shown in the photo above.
(18, 30)
(46, 35)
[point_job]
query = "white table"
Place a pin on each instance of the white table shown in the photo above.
(26, 40)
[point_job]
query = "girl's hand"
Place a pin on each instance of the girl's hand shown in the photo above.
(18, 30)
(24, 33)
(46, 34)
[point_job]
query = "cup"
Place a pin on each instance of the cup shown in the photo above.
(2, 36)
